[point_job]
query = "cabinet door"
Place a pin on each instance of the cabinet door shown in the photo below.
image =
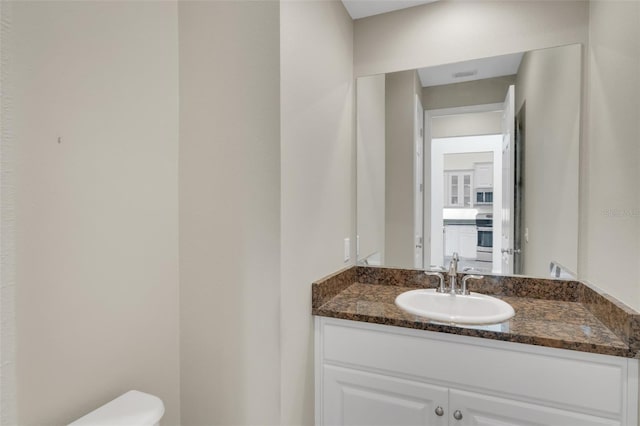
(454, 190)
(467, 189)
(468, 242)
(353, 397)
(451, 239)
(458, 190)
(484, 175)
(483, 410)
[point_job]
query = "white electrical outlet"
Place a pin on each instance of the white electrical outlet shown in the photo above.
(347, 249)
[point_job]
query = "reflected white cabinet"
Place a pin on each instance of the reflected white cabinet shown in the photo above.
(483, 175)
(369, 374)
(462, 239)
(458, 191)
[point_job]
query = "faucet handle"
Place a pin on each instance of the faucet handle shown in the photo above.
(440, 275)
(464, 282)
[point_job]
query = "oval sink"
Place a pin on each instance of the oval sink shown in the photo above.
(474, 308)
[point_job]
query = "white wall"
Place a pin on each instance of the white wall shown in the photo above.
(317, 178)
(451, 31)
(549, 86)
(370, 167)
(96, 211)
(610, 203)
(230, 213)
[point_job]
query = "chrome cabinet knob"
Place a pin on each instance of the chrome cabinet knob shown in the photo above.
(439, 411)
(457, 415)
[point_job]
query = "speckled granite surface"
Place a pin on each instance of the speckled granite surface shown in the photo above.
(554, 313)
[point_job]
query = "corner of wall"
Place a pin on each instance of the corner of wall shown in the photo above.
(7, 228)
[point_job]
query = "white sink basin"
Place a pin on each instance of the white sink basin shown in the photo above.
(474, 308)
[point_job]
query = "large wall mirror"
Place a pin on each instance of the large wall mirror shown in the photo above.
(478, 158)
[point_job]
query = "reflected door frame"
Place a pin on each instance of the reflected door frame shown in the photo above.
(418, 187)
(435, 239)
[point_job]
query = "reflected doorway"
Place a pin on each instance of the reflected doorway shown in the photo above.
(466, 177)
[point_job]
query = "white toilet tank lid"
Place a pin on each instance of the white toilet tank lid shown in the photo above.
(133, 408)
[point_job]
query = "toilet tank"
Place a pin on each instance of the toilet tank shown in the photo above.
(133, 408)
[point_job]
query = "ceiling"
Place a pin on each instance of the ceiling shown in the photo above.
(363, 8)
(478, 69)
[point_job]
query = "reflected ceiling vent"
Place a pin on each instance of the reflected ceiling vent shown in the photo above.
(463, 74)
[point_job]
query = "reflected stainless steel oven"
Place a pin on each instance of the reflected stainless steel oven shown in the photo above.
(484, 248)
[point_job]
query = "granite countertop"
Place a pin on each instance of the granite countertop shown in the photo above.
(553, 313)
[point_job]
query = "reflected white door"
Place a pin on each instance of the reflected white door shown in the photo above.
(508, 129)
(418, 188)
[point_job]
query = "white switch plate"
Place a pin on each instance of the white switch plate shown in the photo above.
(347, 249)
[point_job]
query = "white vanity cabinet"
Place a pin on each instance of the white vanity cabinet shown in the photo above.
(368, 374)
(483, 410)
(356, 397)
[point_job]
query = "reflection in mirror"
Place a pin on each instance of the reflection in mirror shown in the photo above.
(479, 158)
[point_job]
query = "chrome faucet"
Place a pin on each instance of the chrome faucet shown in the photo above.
(453, 273)
(464, 290)
(441, 287)
(453, 277)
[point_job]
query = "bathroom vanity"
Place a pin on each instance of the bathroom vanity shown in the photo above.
(567, 357)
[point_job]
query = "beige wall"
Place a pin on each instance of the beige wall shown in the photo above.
(466, 161)
(610, 226)
(400, 90)
(229, 213)
(96, 212)
(317, 178)
(7, 228)
(485, 91)
(478, 123)
(549, 86)
(229, 200)
(370, 167)
(451, 31)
